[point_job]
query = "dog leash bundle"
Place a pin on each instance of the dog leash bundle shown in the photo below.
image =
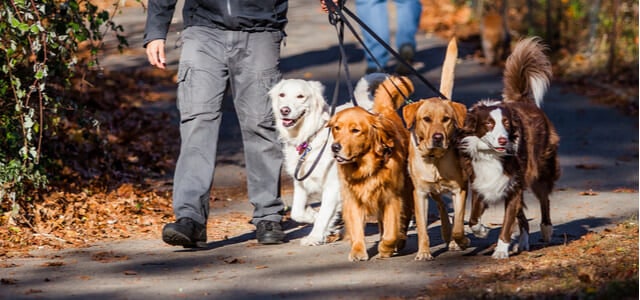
(336, 16)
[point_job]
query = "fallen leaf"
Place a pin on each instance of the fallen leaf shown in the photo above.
(625, 190)
(130, 272)
(590, 192)
(53, 264)
(588, 166)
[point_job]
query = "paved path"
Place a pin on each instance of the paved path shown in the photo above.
(239, 268)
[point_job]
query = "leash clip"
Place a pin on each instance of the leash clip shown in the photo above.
(304, 153)
(334, 11)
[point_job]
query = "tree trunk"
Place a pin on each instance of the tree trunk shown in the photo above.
(613, 37)
(593, 26)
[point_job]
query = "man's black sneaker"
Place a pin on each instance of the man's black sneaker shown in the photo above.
(185, 232)
(407, 53)
(269, 232)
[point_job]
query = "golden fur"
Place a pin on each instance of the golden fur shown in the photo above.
(434, 161)
(371, 152)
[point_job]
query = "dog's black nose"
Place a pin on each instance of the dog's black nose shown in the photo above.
(335, 147)
(437, 138)
(285, 111)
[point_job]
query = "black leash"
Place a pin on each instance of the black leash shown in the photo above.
(336, 14)
(334, 101)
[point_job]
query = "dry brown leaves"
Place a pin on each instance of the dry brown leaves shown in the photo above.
(600, 265)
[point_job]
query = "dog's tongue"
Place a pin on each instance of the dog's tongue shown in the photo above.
(287, 122)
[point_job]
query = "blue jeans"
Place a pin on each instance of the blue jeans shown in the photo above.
(374, 13)
(248, 62)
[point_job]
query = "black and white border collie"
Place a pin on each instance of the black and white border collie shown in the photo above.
(512, 146)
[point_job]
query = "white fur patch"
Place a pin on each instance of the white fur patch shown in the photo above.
(501, 251)
(490, 180)
(539, 85)
(546, 231)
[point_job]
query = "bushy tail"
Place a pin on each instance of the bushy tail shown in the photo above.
(366, 87)
(527, 73)
(390, 94)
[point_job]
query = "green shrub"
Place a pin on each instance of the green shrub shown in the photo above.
(39, 43)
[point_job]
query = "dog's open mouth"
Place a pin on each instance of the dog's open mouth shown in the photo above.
(500, 149)
(342, 160)
(286, 122)
(289, 122)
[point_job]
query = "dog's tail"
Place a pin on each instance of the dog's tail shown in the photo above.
(390, 94)
(527, 73)
(366, 87)
(448, 69)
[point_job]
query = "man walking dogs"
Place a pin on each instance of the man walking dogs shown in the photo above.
(234, 43)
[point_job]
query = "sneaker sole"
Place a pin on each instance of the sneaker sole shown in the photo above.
(271, 240)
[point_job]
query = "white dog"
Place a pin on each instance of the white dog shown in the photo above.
(301, 114)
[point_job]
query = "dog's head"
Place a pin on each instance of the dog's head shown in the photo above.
(293, 99)
(435, 123)
(358, 135)
(495, 127)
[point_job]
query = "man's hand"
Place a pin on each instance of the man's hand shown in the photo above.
(155, 54)
(324, 5)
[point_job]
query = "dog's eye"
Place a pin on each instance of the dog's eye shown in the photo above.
(300, 96)
(445, 119)
(355, 130)
(505, 122)
(427, 119)
(281, 95)
(489, 125)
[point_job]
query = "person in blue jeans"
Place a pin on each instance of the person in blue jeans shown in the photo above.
(374, 13)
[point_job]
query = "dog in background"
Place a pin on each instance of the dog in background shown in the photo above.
(494, 34)
(370, 149)
(434, 161)
(512, 146)
(301, 115)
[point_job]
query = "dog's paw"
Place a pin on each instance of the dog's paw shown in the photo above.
(501, 251)
(546, 231)
(358, 256)
(424, 255)
(459, 244)
(479, 231)
(312, 241)
(308, 216)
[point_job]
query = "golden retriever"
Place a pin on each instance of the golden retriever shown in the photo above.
(371, 152)
(434, 161)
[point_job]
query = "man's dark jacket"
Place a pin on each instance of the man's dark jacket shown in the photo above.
(237, 15)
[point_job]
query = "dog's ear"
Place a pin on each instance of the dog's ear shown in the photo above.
(317, 93)
(383, 139)
(273, 92)
(460, 112)
(470, 120)
(330, 122)
(409, 113)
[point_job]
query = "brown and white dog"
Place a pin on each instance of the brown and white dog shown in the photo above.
(513, 146)
(371, 152)
(434, 160)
